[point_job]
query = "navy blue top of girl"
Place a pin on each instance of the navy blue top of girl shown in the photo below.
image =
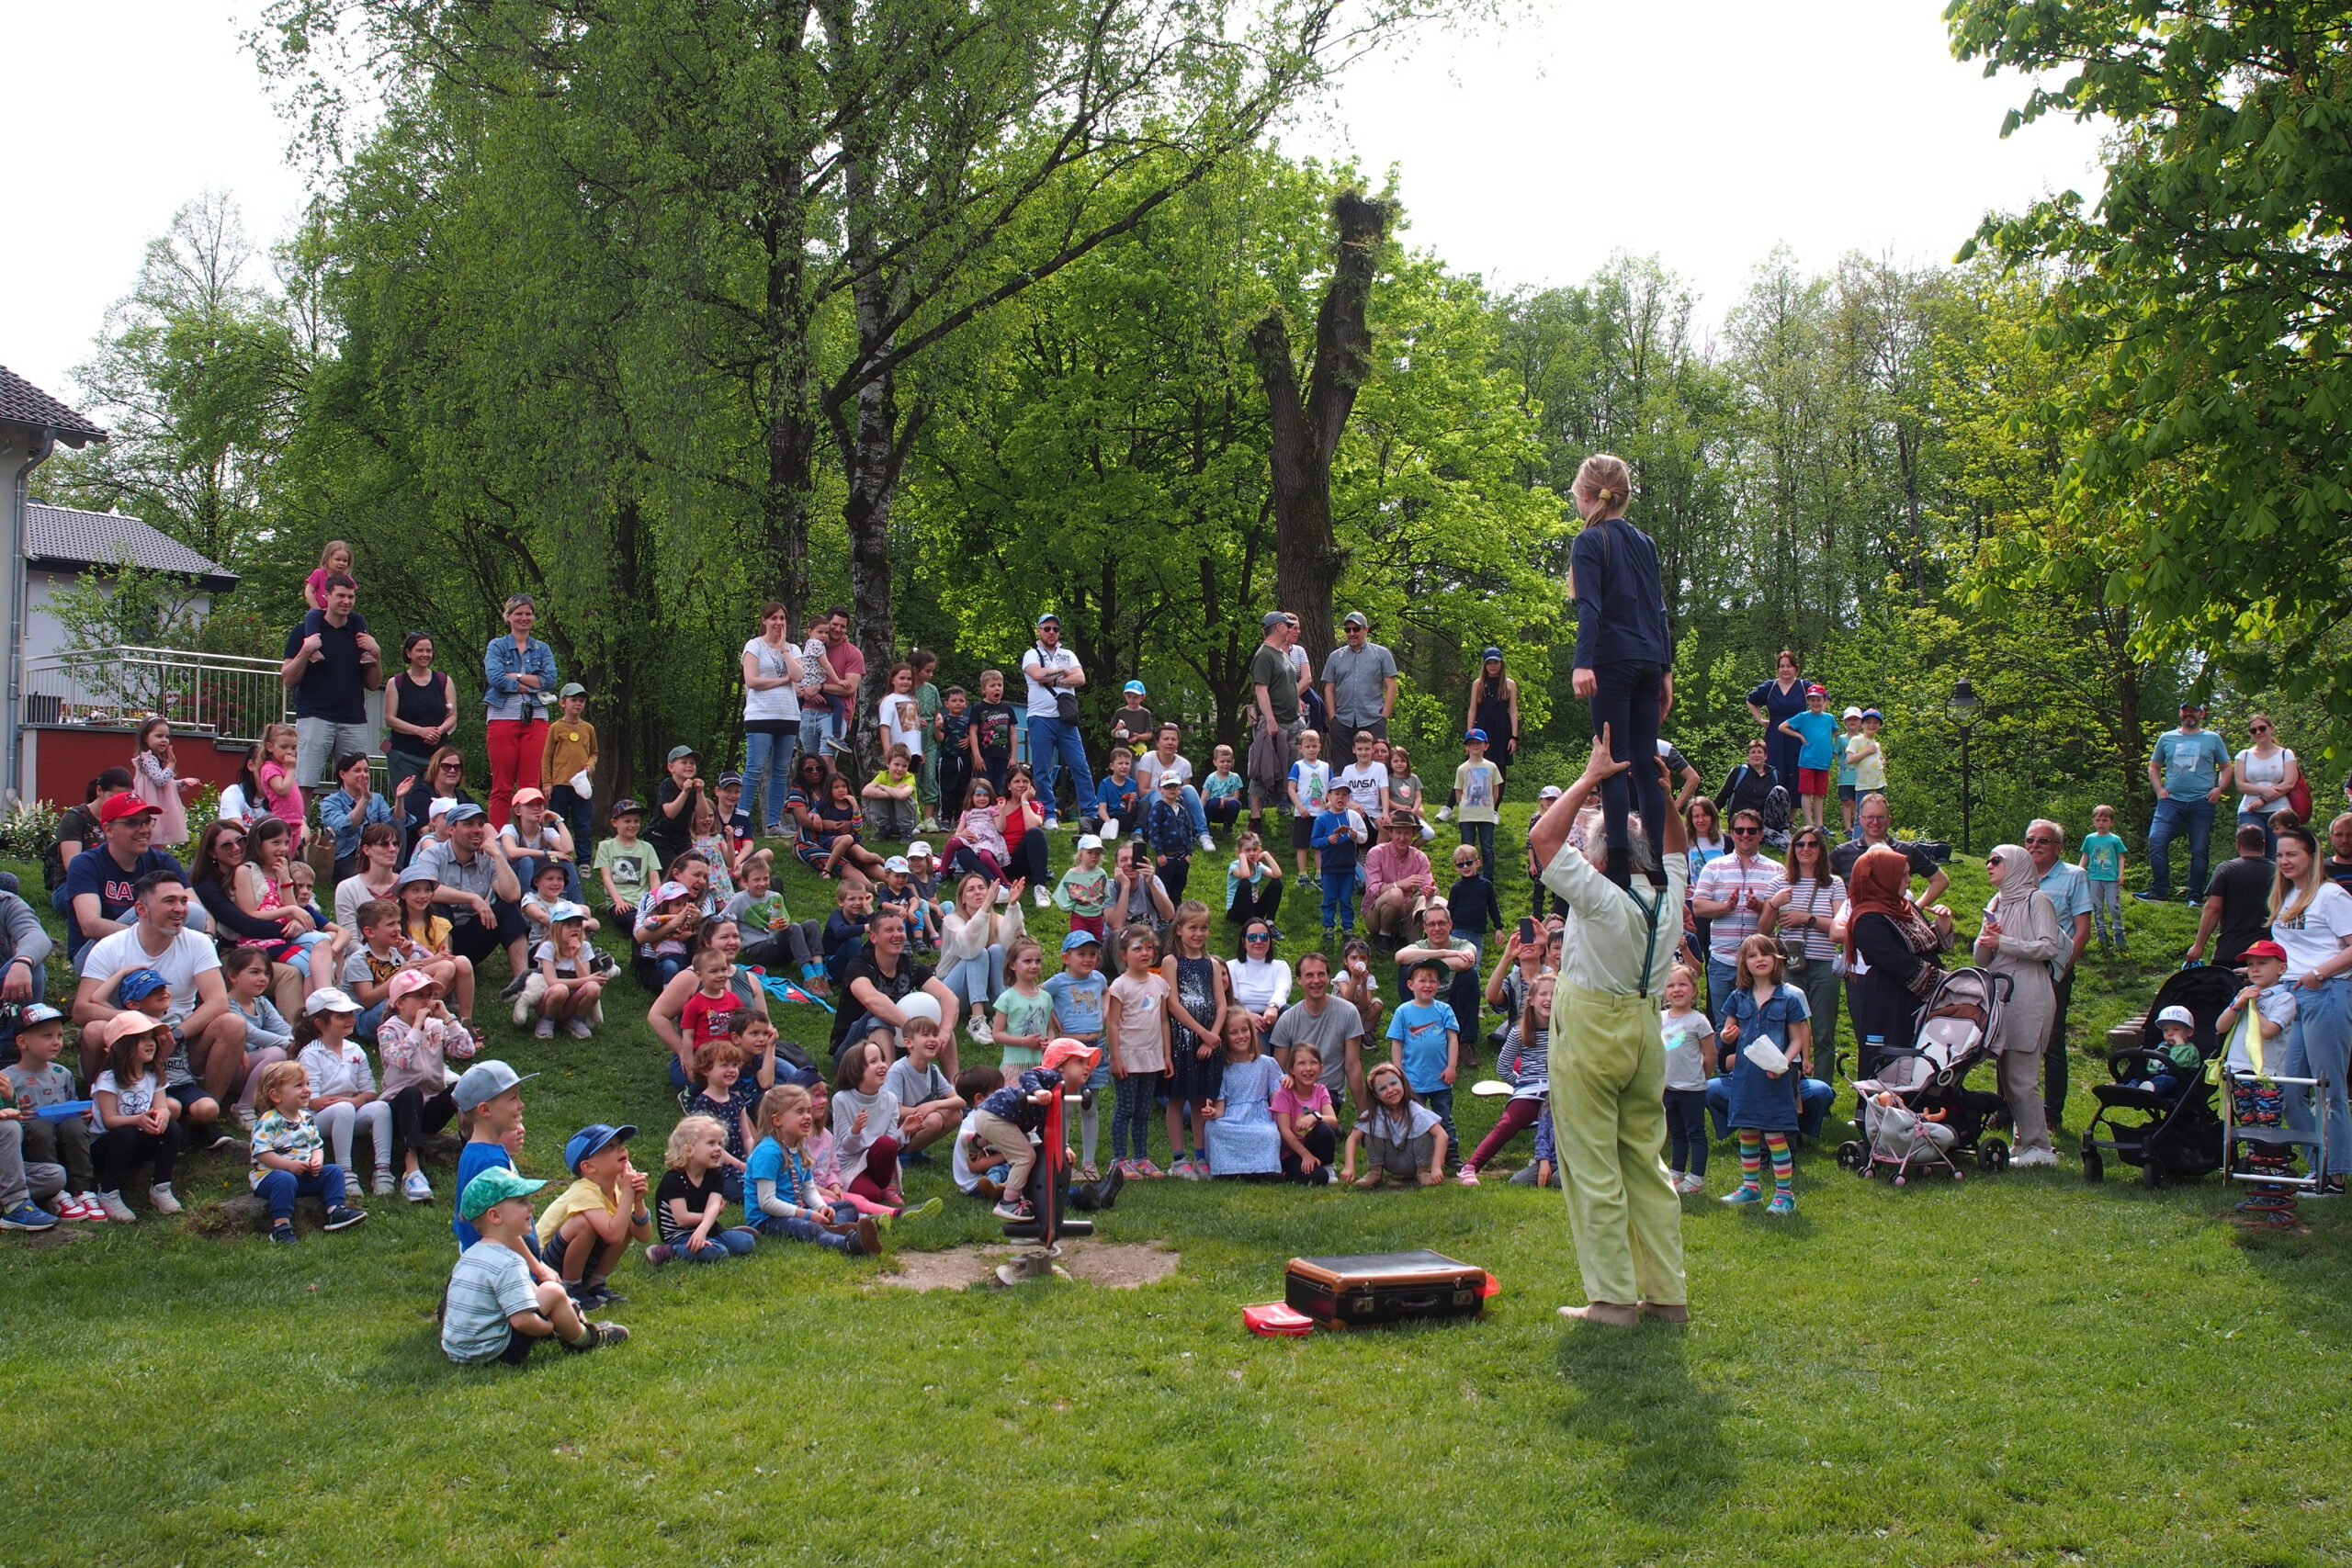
(1621, 610)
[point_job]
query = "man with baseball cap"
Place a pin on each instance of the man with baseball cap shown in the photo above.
(1359, 685)
(2190, 770)
(1055, 678)
(96, 898)
(477, 887)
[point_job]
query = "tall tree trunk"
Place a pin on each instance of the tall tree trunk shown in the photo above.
(1305, 432)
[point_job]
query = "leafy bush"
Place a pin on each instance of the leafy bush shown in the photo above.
(28, 830)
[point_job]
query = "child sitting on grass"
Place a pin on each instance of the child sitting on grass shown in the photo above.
(570, 987)
(488, 1096)
(345, 1100)
(890, 796)
(1007, 1117)
(1397, 1134)
(773, 940)
(1304, 1119)
(693, 1197)
(33, 1080)
(289, 1153)
(729, 1097)
(929, 1106)
(415, 1042)
(710, 1011)
(866, 1125)
(586, 1231)
(1240, 1135)
(494, 1309)
(132, 1119)
(1525, 1065)
(782, 1181)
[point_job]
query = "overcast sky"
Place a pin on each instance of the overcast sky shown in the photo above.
(1701, 130)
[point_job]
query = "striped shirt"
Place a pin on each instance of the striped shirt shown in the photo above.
(1728, 877)
(489, 1286)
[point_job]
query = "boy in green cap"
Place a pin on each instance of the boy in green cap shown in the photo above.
(494, 1312)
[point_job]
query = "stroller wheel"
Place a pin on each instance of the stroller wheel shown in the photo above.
(2094, 1167)
(1901, 1180)
(1849, 1155)
(1993, 1155)
(2152, 1174)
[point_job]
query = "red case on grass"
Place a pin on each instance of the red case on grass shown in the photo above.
(1276, 1321)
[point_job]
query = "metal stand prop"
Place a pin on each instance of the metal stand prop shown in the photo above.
(1049, 1190)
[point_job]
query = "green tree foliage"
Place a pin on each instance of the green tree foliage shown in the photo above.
(199, 374)
(2206, 294)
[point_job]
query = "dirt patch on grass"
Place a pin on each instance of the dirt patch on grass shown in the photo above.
(1118, 1265)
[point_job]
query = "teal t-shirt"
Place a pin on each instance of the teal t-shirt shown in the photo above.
(2190, 765)
(2103, 857)
(1845, 760)
(1818, 729)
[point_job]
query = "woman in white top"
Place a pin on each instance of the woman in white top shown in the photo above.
(379, 875)
(772, 675)
(2267, 771)
(2311, 916)
(972, 945)
(1261, 983)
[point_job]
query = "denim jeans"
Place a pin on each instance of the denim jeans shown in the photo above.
(1440, 1103)
(977, 980)
(1723, 979)
(1481, 836)
(721, 1245)
(278, 1189)
(2267, 822)
(817, 726)
(2173, 818)
(768, 758)
(1338, 901)
(1625, 700)
(1053, 746)
(2320, 1045)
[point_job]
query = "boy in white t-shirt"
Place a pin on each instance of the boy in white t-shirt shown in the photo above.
(1310, 780)
(1367, 780)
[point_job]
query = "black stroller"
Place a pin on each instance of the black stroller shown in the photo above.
(2167, 1136)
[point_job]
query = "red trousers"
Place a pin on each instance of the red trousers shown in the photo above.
(516, 748)
(881, 1172)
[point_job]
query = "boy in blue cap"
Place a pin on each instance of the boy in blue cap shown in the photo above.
(1477, 791)
(495, 1310)
(586, 1231)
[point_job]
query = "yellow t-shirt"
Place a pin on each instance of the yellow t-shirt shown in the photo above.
(582, 1197)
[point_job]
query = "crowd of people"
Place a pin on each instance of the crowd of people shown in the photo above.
(1676, 985)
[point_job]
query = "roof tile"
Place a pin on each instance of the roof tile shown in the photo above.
(21, 403)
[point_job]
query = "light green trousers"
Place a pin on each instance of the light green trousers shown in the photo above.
(1608, 1067)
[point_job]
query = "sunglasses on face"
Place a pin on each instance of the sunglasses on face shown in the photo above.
(1992, 861)
(2259, 728)
(1257, 936)
(1746, 832)
(2045, 839)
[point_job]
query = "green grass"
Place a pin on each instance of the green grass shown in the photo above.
(2015, 1369)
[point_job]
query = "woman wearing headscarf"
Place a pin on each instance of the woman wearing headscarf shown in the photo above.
(2021, 940)
(1891, 948)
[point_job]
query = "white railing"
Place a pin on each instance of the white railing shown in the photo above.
(223, 695)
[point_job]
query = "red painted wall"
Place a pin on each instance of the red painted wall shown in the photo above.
(67, 757)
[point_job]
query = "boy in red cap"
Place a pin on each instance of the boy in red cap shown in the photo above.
(1005, 1119)
(2256, 1024)
(1815, 731)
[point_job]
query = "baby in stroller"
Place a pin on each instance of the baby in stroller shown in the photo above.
(2164, 1069)
(1902, 1137)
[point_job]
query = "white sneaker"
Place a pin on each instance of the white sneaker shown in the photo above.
(416, 1188)
(117, 1209)
(578, 1028)
(1053, 823)
(544, 1030)
(981, 1032)
(94, 1206)
(247, 1119)
(163, 1199)
(1045, 899)
(2025, 1157)
(1207, 842)
(383, 1183)
(1003, 894)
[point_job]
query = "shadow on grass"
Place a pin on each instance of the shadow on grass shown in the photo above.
(1632, 1392)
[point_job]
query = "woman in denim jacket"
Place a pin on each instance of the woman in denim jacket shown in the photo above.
(518, 681)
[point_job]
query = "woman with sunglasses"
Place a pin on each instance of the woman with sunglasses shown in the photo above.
(443, 778)
(2266, 772)
(1802, 914)
(518, 683)
(1259, 982)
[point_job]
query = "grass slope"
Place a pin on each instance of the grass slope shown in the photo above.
(2015, 1369)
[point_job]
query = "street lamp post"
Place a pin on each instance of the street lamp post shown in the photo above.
(1961, 705)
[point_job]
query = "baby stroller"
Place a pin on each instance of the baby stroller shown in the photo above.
(1902, 1139)
(2178, 1134)
(1957, 1024)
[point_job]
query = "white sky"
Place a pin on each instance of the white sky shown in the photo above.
(1702, 131)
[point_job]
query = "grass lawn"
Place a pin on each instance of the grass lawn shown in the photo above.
(2018, 1367)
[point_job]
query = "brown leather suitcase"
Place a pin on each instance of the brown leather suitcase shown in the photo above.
(1384, 1287)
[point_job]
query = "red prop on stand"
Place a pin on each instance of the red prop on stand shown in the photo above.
(1052, 1191)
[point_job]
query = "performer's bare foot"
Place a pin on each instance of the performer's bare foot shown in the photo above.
(1613, 1313)
(1666, 1311)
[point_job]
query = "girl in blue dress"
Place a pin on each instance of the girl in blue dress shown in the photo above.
(1764, 1103)
(1242, 1137)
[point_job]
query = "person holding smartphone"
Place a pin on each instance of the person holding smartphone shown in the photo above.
(1730, 894)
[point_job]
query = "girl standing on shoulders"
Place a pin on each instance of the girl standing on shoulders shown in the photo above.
(335, 558)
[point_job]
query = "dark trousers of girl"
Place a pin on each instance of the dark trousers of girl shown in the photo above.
(1321, 1142)
(1517, 1117)
(1255, 901)
(1223, 813)
(1131, 1116)
(414, 1117)
(1686, 1130)
(881, 1172)
(1625, 702)
(113, 1152)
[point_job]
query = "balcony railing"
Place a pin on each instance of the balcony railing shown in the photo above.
(223, 695)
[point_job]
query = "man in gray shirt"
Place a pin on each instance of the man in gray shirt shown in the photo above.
(1330, 1025)
(478, 889)
(1359, 686)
